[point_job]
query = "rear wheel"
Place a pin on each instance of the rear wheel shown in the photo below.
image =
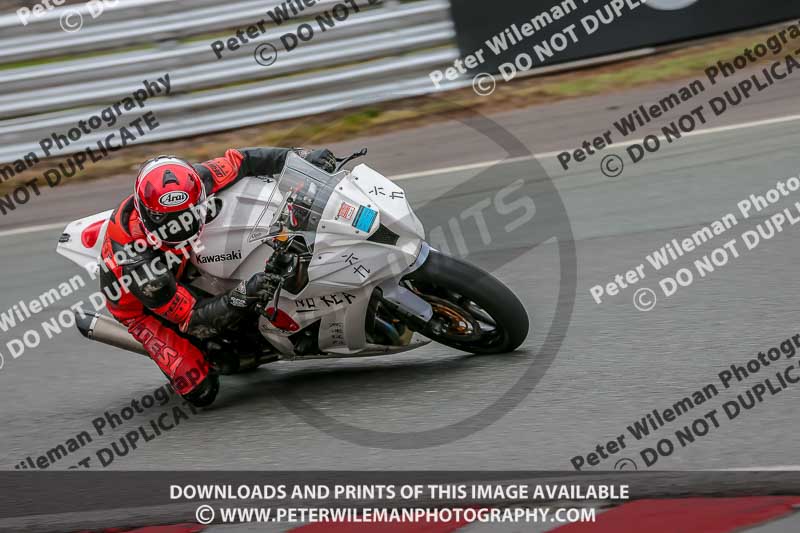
(472, 311)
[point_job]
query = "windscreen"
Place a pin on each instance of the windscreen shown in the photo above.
(297, 201)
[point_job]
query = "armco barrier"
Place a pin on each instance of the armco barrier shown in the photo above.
(382, 52)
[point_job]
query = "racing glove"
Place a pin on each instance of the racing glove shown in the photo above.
(259, 288)
(214, 316)
(323, 159)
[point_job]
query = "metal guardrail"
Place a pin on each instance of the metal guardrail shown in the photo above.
(205, 76)
(196, 53)
(107, 32)
(181, 21)
(381, 53)
(49, 21)
(122, 9)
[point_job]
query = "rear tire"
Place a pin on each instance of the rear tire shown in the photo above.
(456, 288)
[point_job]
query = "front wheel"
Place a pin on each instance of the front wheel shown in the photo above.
(472, 311)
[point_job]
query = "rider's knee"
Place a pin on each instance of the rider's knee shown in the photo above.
(205, 392)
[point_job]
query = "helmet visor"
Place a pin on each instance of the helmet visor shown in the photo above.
(174, 228)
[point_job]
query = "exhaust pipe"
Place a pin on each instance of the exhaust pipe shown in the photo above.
(104, 329)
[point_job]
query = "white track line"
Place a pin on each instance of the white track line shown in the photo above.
(483, 164)
(783, 468)
(708, 131)
(460, 168)
(33, 229)
(547, 155)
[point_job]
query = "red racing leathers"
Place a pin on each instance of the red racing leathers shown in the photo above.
(158, 310)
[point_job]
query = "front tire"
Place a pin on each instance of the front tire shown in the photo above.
(473, 311)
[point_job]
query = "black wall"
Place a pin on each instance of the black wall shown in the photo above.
(479, 20)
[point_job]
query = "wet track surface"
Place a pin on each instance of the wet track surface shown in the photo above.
(616, 364)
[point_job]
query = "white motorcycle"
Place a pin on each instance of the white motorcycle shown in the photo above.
(358, 277)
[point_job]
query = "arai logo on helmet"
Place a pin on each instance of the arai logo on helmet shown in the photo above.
(174, 198)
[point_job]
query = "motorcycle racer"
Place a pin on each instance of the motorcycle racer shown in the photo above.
(165, 214)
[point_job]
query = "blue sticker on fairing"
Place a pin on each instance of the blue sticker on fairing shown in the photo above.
(364, 219)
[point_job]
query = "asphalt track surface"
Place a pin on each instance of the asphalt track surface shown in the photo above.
(615, 365)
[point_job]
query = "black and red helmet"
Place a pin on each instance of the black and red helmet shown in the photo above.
(170, 199)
